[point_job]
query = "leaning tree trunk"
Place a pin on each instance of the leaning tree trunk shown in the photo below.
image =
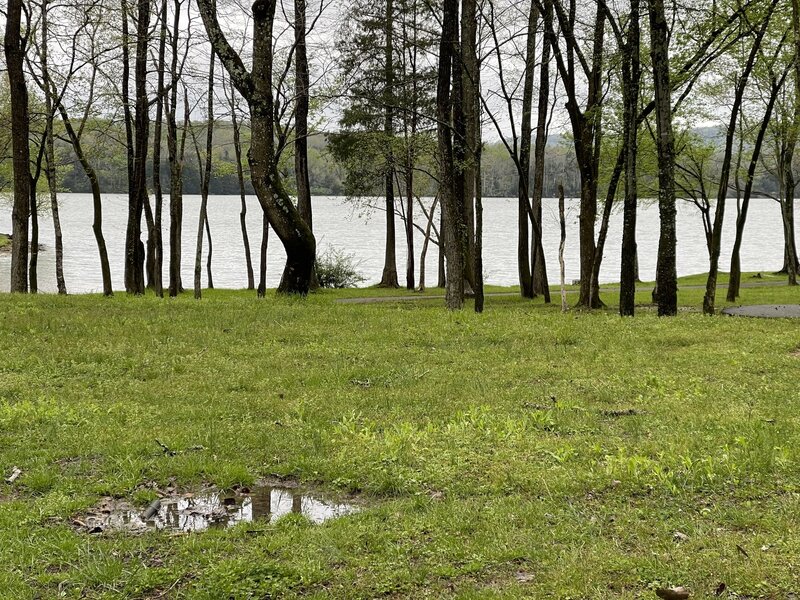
(736, 267)
(256, 88)
(426, 242)
(719, 212)
(14, 46)
(97, 201)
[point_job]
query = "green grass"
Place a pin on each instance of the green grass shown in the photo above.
(4, 241)
(484, 450)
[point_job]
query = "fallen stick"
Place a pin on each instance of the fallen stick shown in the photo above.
(151, 510)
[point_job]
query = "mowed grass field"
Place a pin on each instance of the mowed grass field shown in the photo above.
(521, 453)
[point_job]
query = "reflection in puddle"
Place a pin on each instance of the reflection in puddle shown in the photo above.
(203, 511)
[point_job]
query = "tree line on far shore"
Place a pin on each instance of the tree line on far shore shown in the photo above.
(454, 101)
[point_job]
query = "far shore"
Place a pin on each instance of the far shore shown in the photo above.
(5, 244)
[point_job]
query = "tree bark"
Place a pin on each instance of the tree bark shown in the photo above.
(389, 276)
(526, 130)
(666, 273)
(137, 145)
(262, 265)
(453, 221)
(540, 282)
(630, 91)
(470, 81)
(158, 259)
(302, 96)
(563, 222)
(175, 149)
(14, 44)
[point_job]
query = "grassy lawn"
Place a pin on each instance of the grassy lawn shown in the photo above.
(4, 241)
(519, 453)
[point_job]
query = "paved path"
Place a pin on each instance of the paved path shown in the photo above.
(765, 311)
(553, 292)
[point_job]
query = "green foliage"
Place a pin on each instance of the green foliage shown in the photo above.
(336, 270)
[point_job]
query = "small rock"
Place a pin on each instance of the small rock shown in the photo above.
(679, 536)
(524, 577)
(673, 593)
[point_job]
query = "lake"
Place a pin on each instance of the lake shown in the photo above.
(351, 228)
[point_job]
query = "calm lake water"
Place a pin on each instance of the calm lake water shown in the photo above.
(350, 228)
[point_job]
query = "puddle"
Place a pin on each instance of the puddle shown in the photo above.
(198, 512)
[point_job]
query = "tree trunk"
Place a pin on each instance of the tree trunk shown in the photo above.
(175, 151)
(14, 45)
(540, 282)
(429, 217)
(478, 251)
(237, 148)
(389, 277)
(523, 252)
(470, 81)
(453, 222)
(736, 268)
(563, 221)
(205, 172)
(302, 95)
(441, 279)
(158, 259)
(262, 265)
(630, 91)
(256, 88)
(719, 213)
(137, 138)
(97, 201)
(666, 273)
(33, 268)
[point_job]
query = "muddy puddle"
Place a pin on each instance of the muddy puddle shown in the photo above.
(209, 509)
